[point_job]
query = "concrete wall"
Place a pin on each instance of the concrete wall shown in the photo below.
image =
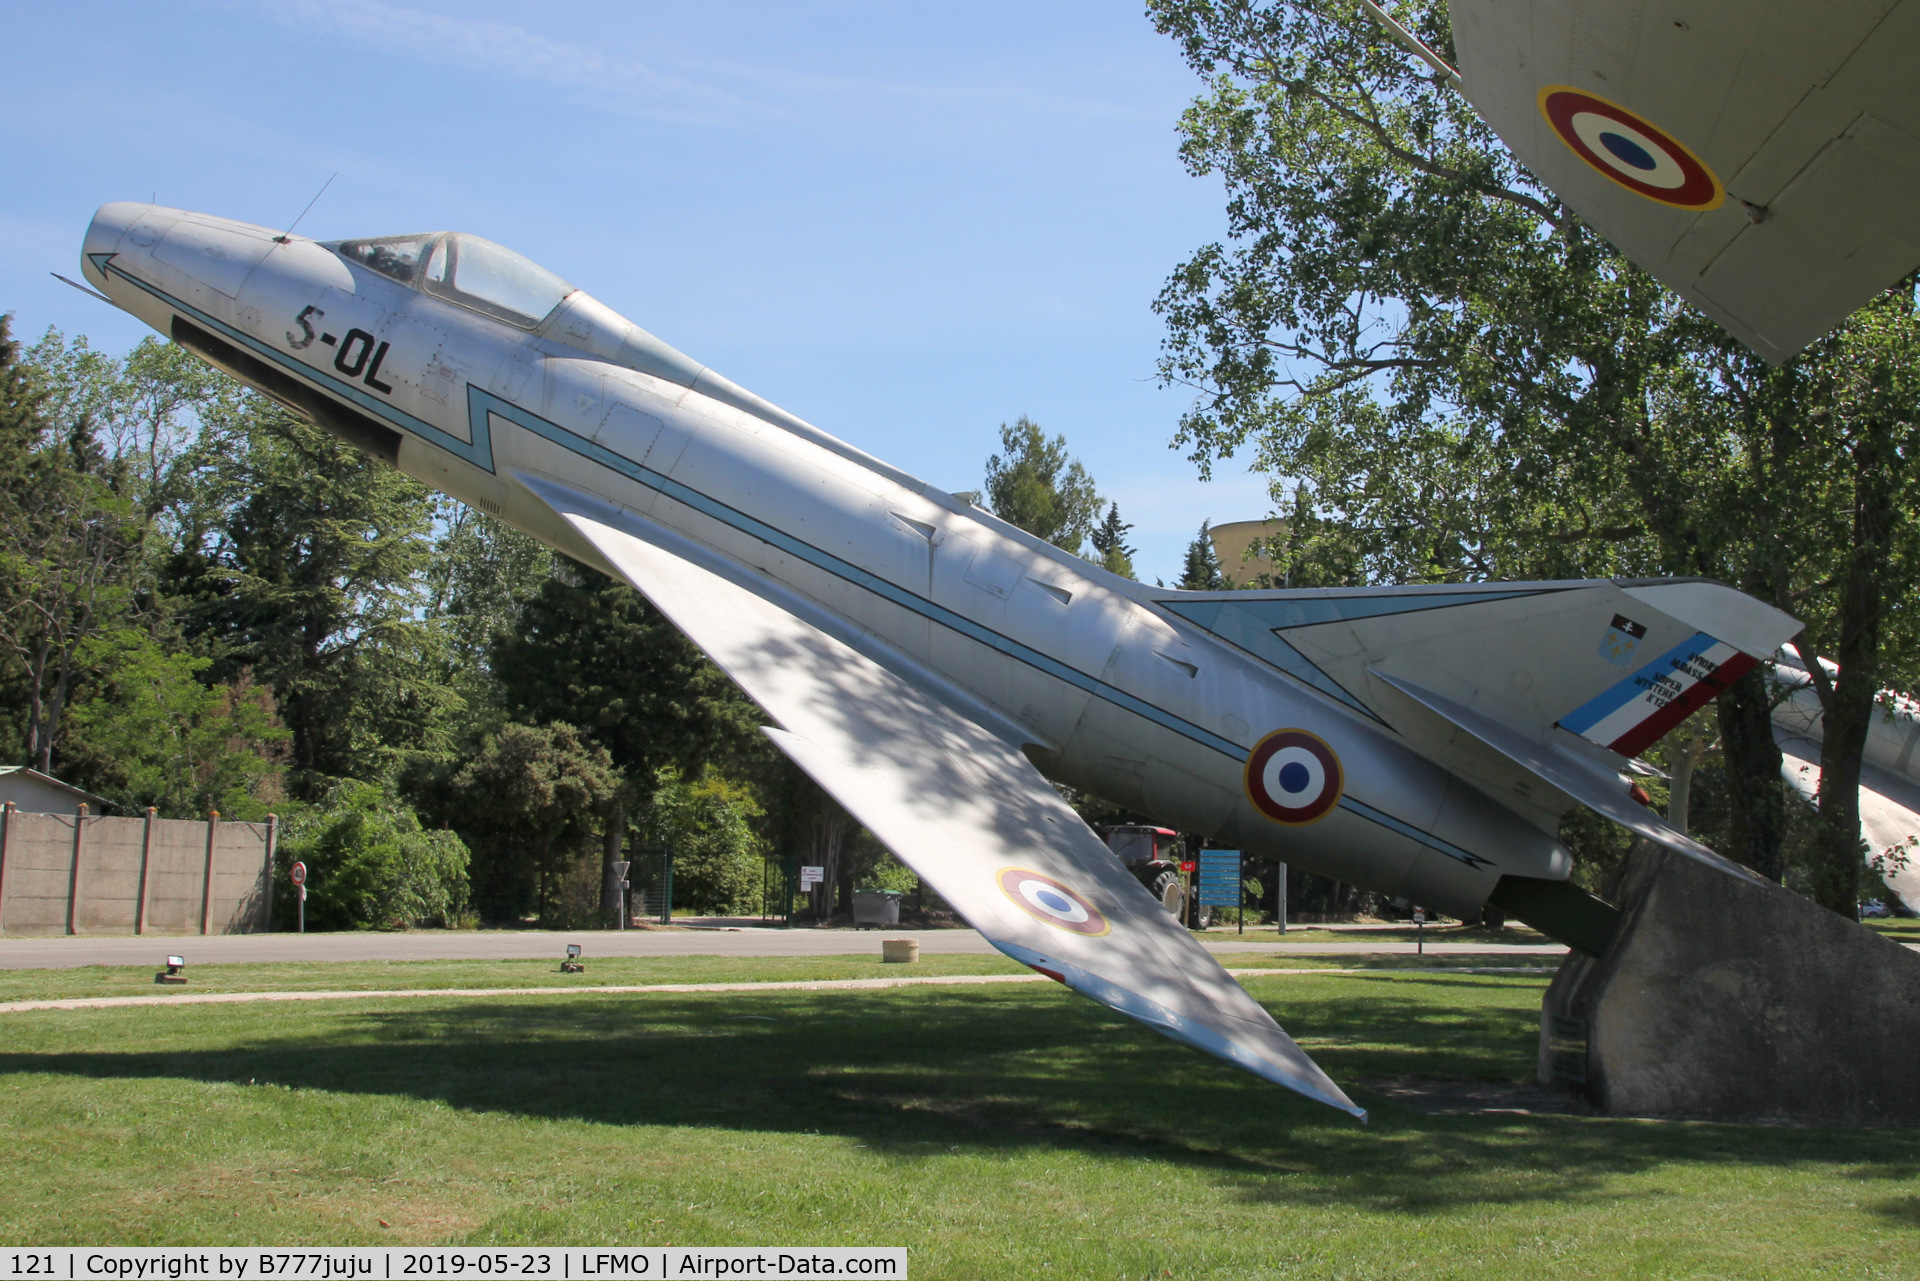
(78, 874)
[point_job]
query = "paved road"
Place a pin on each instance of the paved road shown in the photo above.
(436, 945)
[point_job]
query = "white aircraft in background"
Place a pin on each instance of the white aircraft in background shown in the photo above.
(1760, 159)
(932, 666)
(1889, 772)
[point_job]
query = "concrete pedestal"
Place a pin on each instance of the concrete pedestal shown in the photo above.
(1729, 1001)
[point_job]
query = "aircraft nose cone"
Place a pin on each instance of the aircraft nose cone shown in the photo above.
(113, 229)
(194, 258)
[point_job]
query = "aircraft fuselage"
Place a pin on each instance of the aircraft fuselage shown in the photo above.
(1108, 690)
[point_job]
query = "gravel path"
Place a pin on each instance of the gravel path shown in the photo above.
(793, 985)
(477, 945)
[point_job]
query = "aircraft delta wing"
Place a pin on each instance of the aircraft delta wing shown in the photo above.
(1761, 159)
(932, 666)
(959, 804)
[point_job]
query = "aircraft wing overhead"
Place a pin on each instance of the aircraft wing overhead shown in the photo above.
(957, 803)
(1762, 158)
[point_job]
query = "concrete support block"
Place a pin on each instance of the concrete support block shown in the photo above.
(1730, 1001)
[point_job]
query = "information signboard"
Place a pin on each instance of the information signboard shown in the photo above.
(1219, 878)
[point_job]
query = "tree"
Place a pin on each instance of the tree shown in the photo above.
(371, 864)
(707, 825)
(806, 820)
(1033, 484)
(311, 573)
(1202, 572)
(147, 409)
(1109, 540)
(481, 575)
(153, 735)
(70, 546)
(1440, 363)
(527, 801)
(594, 653)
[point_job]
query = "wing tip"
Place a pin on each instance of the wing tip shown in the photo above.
(1305, 1079)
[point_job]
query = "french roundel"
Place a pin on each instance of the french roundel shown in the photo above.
(1294, 777)
(1643, 159)
(1041, 896)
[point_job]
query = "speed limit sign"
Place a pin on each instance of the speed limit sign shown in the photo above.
(297, 873)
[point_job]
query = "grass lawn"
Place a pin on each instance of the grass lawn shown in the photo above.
(1901, 930)
(995, 1132)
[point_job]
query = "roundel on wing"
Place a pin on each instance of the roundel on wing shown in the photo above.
(1635, 153)
(1294, 777)
(1046, 899)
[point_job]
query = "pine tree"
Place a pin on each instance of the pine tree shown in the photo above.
(1202, 573)
(1035, 485)
(1109, 540)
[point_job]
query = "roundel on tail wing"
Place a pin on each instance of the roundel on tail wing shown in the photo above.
(1042, 897)
(1635, 153)
(1294, 777)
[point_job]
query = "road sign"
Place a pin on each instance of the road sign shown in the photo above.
(1187, 865)
(1219, 878)
(298, 875)
(812, 876)
(1419, 916)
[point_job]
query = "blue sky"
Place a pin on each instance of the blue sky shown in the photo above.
(905, 223)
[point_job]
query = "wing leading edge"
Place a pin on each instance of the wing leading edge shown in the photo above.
(957, 803)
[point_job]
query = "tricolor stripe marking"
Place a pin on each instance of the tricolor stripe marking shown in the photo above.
(1633, 715)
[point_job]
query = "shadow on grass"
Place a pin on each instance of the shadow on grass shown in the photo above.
(1903, 1211)
(918, 1074)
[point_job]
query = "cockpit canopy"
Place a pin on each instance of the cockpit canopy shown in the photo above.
(467, 270)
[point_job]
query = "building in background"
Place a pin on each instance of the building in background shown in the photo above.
(39, 793)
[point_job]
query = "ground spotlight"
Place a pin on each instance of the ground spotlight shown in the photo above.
(172, 973)
(572, 964)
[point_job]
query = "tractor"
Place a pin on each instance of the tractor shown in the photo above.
(1154, 855)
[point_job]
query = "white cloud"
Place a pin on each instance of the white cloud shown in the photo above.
(698, 89)
(506, 49)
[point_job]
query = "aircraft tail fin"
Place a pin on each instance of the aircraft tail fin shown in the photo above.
(1601, 669)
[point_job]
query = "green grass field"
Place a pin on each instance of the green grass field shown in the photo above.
(996, 1132)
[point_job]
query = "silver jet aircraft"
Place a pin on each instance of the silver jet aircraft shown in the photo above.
(932, 666)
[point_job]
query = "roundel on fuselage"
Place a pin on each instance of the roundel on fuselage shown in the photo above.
(1294, 777)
